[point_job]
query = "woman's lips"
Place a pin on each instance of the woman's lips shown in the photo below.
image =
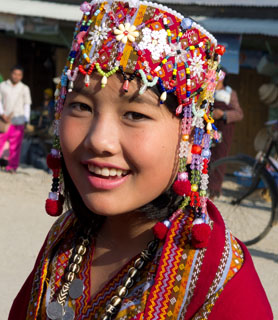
(105, 178)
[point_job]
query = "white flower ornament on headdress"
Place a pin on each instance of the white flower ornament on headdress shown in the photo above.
(155, 41)
(99, 34)
(196, 65)
(126, 32)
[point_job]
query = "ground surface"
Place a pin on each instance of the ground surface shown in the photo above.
(24, 226)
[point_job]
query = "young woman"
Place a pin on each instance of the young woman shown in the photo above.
(133, 129)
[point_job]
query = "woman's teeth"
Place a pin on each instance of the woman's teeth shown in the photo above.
(107, 172)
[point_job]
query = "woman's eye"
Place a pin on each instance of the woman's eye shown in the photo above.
(80, 107)
(135, 116)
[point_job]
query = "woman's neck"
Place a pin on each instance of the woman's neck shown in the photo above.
(130, 232)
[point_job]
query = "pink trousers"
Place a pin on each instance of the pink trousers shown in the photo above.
(14, 135)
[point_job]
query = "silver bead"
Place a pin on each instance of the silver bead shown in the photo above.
(116, 301)
(146, 255)
(85, 242)
(77, 259)
(74, 267)
(139, 263)
(128, 283)
(122, 291)
(70, 276)
(152, 246)
(81, 250)
(132, 272)
(111, 309)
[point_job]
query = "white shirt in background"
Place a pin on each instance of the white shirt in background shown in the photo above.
(16, 100)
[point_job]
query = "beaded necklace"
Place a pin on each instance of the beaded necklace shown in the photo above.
(73, 287)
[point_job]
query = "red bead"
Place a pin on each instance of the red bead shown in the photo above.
(182, 188)
(220, 50)
(53, 162)
(126, 85)
(172, 83)
(139, 52)
(54, 207)
(56, 173)
(196, 149)
(200, 235)
(160, 230)
(142, 59)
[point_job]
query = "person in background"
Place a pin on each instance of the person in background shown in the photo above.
(48, 109)
(15, 103)
(226, 113)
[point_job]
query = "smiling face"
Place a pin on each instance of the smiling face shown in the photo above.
(120, 149)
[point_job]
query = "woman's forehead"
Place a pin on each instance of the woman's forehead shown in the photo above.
(115, 89)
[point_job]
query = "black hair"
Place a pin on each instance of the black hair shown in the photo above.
(158, 209)
(17, 67)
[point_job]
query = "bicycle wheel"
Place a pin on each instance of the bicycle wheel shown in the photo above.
(247, 201)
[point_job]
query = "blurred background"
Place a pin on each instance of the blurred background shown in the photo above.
(37, 35)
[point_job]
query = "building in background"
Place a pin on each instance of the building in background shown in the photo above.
(37, 34)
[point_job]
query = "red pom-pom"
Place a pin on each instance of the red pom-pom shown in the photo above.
(54, 207)
(220, 50)
(182, 188)
(160, 230)
(200, 234)
(53, 162)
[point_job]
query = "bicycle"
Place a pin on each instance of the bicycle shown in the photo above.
(249, 198)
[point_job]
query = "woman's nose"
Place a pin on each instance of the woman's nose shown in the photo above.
(103, 136)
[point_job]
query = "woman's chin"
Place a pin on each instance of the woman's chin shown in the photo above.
(103, 207)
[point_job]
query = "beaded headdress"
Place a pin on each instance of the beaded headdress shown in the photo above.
(164, 49)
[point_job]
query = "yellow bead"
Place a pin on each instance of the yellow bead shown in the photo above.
(180, 34)
(191, 48)
(164, 61)
(187, 70)
(185, 137)
(169, 33)
(194, 187)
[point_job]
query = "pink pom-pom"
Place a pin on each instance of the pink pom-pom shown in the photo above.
(54, 207)
(160, 230)
(182, 188)
(200, 234)
(53, 162)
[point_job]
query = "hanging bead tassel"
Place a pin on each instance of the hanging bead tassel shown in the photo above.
(54, 202)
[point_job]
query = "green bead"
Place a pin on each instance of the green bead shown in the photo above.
(203, 193)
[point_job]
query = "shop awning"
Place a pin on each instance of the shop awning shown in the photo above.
(267, 27)
(50, 10)
(224, 3)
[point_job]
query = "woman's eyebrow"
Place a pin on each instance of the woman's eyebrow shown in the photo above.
(81, 89)
(140, 99)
